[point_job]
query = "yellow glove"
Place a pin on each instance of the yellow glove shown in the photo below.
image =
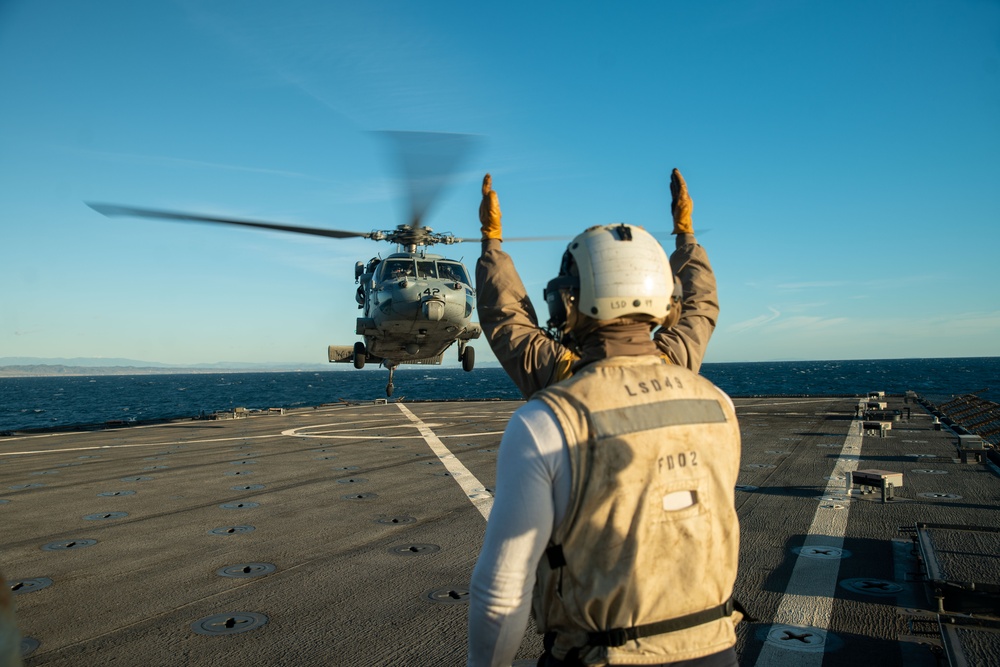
(489, 211)
(681, 206)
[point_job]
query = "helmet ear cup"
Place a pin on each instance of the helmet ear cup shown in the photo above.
(559, 297)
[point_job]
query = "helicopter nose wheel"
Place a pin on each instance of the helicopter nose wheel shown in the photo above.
(468, 357)
(360, 353)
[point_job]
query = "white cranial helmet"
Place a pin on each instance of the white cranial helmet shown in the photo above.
(614, 271)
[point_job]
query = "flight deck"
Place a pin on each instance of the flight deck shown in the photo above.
(346, 534)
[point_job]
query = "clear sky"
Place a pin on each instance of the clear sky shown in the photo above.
(844, 160)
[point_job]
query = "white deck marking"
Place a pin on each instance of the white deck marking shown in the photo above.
(481, 500)
(167, 443)
(808, 598)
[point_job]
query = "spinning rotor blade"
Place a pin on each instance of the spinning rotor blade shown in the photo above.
(428, 163)
(112, 210)
(519, 238)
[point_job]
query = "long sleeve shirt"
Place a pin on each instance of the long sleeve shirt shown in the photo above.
(533, 489)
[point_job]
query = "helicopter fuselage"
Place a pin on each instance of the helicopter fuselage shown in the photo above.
(415, 306)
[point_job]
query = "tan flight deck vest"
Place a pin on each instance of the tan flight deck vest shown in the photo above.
(650, 532)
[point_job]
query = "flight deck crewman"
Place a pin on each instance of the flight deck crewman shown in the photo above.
(615, 482)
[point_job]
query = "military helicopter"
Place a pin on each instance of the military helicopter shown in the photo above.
(415, 305)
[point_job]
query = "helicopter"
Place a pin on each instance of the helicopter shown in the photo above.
(415, 305)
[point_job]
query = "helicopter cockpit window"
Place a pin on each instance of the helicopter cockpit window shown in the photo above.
(425, 269)
(453, 271)
(397, 268)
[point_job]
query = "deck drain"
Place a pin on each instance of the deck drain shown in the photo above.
(239, 506)
(396, 520)
(759, 465)
(871, 586)
(231, 530)
(28, 646)
(232, 473)
(746, 487)
(68, 544)
(246, 570)
(360, 496)
(940, 496)
(21, 586)
(928, 471)
(106, 515)
(414, 549)
(821, 552)
(453, 595)
(802, 639)
(139, 478)
(352, 480)
(248, 487)
(229, 624)
(345, 468)
(33, 485)
(108, 494)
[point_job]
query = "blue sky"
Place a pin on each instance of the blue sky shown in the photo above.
(844, 160)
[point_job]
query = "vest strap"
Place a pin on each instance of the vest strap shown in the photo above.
(621, 636)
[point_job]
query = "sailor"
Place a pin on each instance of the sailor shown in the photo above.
(614, 519)
(534, 359)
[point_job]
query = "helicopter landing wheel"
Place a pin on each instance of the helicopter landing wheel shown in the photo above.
(389, 387)
(468, 358)
(359, 355)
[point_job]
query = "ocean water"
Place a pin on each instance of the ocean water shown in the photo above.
(62, 401)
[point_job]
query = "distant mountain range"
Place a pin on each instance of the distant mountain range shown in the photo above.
(21, 366)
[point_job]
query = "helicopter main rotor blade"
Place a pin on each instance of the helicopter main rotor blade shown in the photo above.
(428, 163)
(113, 210)
(517, 238)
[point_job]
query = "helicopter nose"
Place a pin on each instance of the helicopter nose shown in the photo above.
(434, 310)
